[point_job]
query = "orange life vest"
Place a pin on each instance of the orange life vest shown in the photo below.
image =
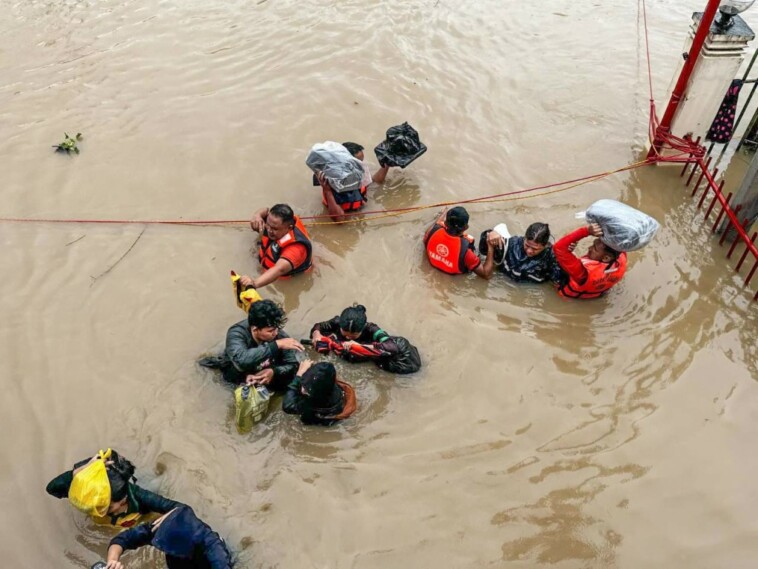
(349, 201)
(601, 277)
(270, 251)
(447, 252)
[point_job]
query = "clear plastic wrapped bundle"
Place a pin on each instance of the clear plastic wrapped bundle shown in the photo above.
(342, 170)
(624, 228)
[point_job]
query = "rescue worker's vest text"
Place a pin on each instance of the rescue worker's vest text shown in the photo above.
(447, 252)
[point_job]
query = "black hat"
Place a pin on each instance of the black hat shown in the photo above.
(456, 219)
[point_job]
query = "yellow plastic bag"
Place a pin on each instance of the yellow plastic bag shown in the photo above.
(90, 490)
(244, 298)
(250, 407)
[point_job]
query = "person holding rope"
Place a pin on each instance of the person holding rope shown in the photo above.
(284, 248)
(450, 250)
(522, 259)
(595, 273)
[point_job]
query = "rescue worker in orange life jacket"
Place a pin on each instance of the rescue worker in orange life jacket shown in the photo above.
(451, 250)
(284, 248)
(338, 203)
(595, 273)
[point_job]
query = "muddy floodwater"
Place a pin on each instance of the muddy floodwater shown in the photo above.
(540, 432)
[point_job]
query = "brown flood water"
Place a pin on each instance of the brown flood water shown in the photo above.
(541, 432)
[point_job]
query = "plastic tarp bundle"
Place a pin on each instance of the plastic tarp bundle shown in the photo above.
(401, 147)
(343, 171)
(624, 228)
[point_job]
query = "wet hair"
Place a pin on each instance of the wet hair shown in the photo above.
(353, 147)
(353, 318)
(610, 251)
(319, 381)
(538, 232)
(456, 219)
(265, 314)
(119, 475)
(283, 212)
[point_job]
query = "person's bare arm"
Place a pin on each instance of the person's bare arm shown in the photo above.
(380, 175)
(258, 221)
(485, 269)
(281, 268)
(493, 240)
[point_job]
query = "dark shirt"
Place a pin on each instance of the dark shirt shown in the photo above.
(187, 541)
(295, 403)
(139, 500)
(518, 266)
(371, 335)
(246, 356)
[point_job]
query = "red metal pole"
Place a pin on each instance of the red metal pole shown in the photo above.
(684, 77)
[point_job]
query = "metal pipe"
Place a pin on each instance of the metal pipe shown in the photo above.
(737, 226)
(684, 77)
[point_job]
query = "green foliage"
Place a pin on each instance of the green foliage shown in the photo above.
(69, 144)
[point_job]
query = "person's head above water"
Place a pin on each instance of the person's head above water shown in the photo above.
(599, 251)
(318, 383)
(456, 220)
(265, 319)
(536, 238)
(120, 471)
(355, 149)
(279, 221)
(353, 321)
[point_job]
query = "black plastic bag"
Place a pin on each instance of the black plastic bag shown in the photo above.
(406, 361)
(401, 147)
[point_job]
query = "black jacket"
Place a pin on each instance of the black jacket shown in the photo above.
(188, 542)
(244, 356)
(295, 403)
(371, 335)
(519, 267)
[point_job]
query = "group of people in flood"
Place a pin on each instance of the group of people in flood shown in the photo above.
(259, 353)
(527, 258)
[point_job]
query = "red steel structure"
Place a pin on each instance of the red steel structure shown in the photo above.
(691, 152)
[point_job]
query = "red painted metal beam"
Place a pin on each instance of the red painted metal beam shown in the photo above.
(684, 77)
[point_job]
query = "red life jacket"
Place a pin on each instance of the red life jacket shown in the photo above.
(447, 252)
(601, 277)
(270, 251)
(349, 201)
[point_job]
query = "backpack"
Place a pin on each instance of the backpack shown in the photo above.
(406, 361)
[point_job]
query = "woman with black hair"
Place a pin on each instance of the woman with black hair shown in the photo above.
(318, 396)
(128, 502)
(258, 351)
(522, 259)
(351, 336)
